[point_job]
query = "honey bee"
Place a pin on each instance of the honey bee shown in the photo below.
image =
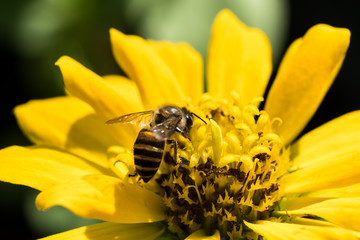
(149, 146)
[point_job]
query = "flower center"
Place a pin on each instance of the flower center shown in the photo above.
(234, 165)
(225, 174)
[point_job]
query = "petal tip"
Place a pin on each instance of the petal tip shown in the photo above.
(115, 35)
(62, 59)
(225, 15)
(225, 12)
(342, 34)
(114, 31)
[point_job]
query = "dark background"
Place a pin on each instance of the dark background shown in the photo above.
(343, 96)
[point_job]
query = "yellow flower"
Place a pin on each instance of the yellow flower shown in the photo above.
(245, 175)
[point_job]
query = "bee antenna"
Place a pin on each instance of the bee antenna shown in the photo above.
(198, 117)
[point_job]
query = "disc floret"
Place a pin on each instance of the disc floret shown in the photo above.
(235, 163)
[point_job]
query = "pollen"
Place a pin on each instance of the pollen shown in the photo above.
(234, 164)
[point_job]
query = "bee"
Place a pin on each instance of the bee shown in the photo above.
(149, 146)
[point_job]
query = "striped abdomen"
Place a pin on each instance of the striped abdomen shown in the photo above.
(148, 153)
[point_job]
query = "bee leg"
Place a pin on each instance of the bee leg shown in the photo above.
(133, 175)
(185, 135)
(182, 132)
(175, 144)
(184, 161)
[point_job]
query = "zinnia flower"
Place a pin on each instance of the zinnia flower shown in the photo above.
(246, 174)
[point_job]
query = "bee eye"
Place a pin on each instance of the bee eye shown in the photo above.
(189, 120)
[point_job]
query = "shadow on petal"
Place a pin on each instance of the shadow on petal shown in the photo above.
(106, 198)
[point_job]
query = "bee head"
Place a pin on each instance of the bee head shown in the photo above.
(189, 120)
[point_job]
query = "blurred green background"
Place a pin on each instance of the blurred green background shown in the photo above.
(35, 33)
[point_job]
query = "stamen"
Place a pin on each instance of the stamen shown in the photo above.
(226, 174)
(197, 191)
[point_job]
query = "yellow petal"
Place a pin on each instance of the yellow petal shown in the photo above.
(311, 222)
(105, 198)
(106, 231)
(157, 84)
(344, 192)
(291, 203)
(64, 122)
(305, 75)
(185, 63)
(288, 231)
(319, 196)
(107, 102)
(335, 138)
(335, 172)
(124, 86)
(343, 212)
(41, 168)
(239, 59)
(201, 235)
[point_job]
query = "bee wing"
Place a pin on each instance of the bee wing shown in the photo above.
(140, 119)
(165, 129)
